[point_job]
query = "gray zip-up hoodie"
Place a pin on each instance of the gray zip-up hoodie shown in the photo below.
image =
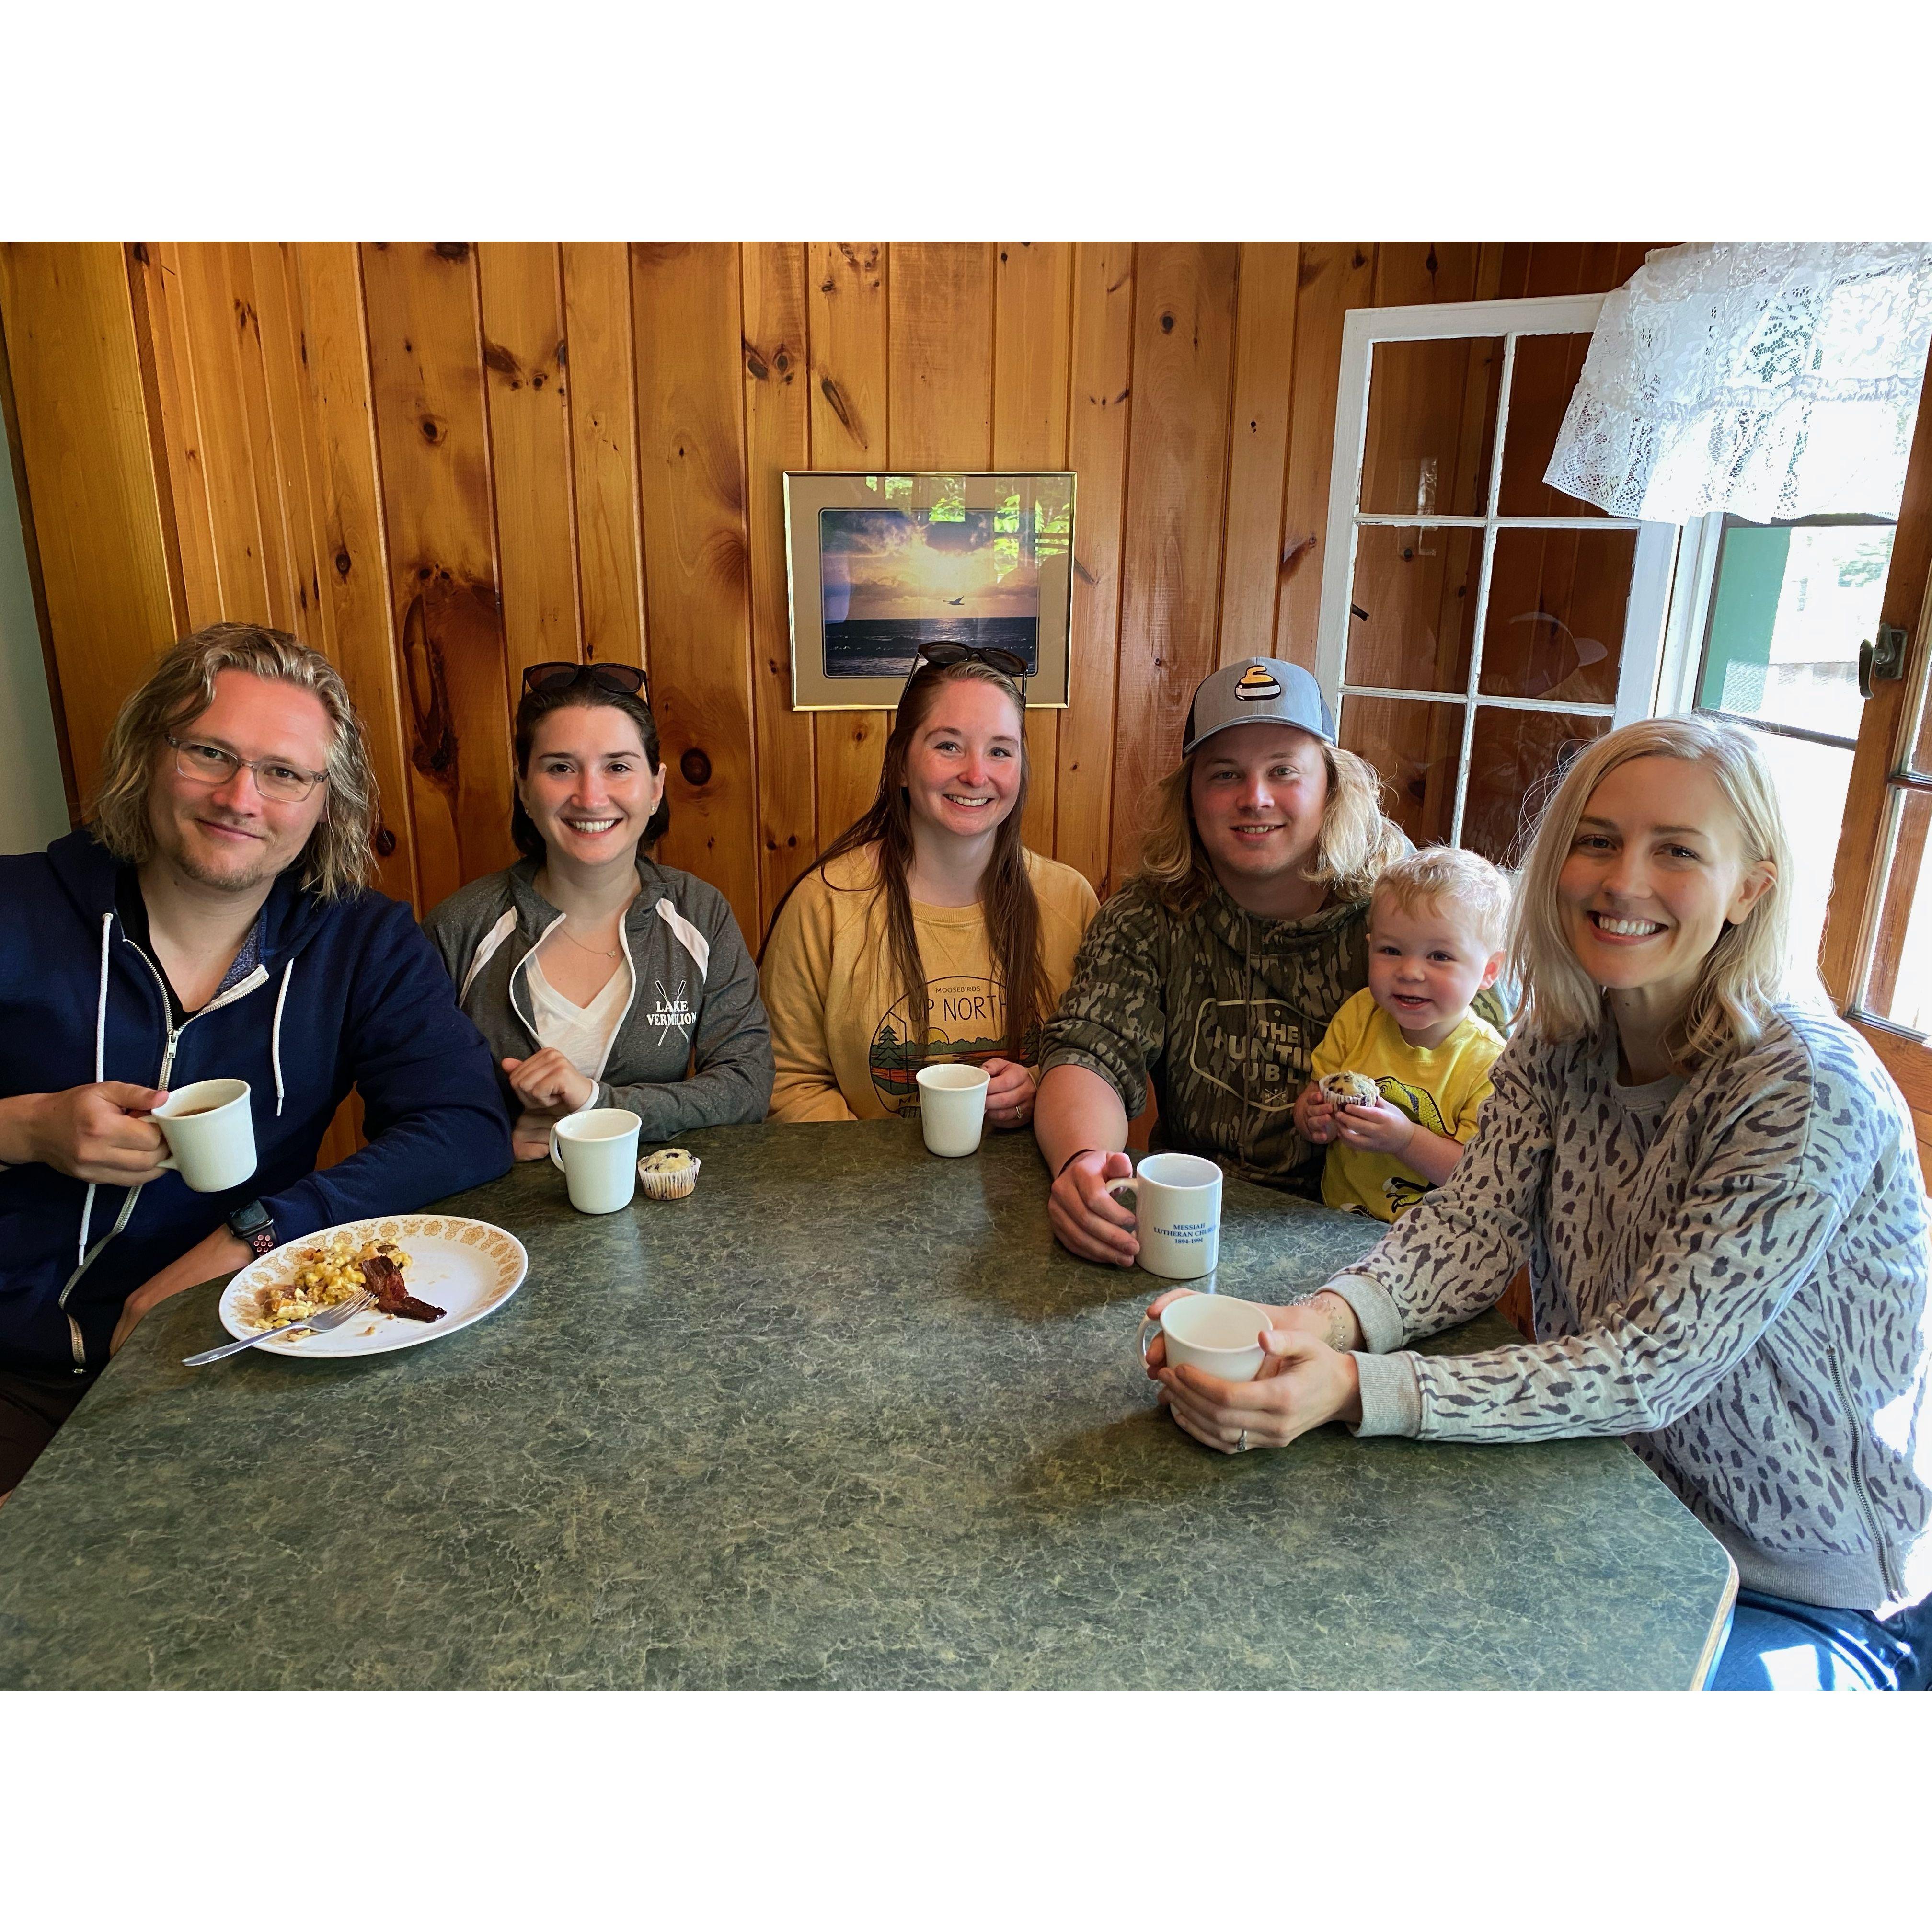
(1729, 1270)
(693, 1048)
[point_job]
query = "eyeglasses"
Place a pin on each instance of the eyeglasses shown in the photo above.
(1008, 663)
(625, 680)
(209, 764)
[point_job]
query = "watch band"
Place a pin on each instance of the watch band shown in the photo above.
(254, 1225)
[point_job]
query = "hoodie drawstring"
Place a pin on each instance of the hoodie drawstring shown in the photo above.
(100, 1068)
(275, 1034)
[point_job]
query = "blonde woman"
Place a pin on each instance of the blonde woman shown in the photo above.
(1717, 1190)
(1212, 973)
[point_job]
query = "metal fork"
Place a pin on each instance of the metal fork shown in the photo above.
(318, 1324)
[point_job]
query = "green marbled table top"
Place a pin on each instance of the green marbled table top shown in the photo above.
(847, 1417)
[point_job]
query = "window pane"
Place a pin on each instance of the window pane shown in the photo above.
(1899, 985)
(1515, 760)
(1545, 373)
(1432, 419)
(1557, 604)
(1811, 781)
(1415, 748)
(1788, 610)
(1415, 591)
(1921, 752)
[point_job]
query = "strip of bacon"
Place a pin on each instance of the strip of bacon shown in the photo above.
(392, 1297)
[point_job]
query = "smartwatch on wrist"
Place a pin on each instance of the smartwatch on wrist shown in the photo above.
(253, 1224)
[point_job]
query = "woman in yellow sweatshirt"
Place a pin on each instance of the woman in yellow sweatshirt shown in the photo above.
(926, 931)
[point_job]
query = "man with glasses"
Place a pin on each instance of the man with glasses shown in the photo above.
(210, 921)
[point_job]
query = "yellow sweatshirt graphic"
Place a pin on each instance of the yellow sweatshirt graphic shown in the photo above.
(1441, 1088)
(839, 1023)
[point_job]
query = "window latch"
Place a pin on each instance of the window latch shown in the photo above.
(1882, 659)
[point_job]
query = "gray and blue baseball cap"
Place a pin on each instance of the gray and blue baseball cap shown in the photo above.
(1251, 691)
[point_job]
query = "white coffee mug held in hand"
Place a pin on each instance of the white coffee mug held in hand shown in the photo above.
(953, 1107)
(1176, 1199)
(1214, 1332)
(598, 1151)
(210, 1132)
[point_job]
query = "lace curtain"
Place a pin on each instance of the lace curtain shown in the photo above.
(1773, 380)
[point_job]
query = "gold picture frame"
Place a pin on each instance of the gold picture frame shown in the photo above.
(872, 562)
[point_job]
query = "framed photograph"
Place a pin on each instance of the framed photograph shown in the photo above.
(876, 565)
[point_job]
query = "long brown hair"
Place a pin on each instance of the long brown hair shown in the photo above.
(1006, 892)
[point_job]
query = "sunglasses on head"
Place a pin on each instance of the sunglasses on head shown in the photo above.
(624, 680)
(1008, 663)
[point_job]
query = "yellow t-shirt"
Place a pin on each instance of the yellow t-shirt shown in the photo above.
(1440, 1088)
(838, 1015)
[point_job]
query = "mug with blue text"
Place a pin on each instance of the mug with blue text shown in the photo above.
(1176, 1200)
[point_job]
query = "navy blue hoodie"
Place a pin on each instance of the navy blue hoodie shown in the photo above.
(348, 993)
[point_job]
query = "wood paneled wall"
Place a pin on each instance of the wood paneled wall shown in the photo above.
(440, 463)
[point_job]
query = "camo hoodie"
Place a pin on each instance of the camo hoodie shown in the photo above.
(1221, 1011)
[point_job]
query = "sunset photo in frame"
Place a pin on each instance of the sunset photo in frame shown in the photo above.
(877, 564)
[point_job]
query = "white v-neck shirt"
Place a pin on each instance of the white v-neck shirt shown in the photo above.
(582, 1034)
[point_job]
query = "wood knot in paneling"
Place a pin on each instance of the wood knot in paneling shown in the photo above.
(696, 768)
(841, 406)
(448, 622)
(452, 251)
(762, 367)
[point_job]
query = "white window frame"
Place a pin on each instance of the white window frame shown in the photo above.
(1652, 568)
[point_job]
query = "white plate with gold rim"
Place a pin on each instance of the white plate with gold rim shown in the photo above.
(468, 1269)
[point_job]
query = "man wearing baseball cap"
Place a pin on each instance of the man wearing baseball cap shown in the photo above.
(1212, 974)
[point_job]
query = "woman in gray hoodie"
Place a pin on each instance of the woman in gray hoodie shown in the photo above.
(600, 978)
(1717, 1189)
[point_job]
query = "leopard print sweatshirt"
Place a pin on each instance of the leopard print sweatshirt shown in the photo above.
(1728, 1270)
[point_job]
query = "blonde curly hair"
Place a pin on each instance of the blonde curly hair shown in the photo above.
(338, 858)
(1356, 839)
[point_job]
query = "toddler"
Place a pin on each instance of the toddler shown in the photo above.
(1405, 1066)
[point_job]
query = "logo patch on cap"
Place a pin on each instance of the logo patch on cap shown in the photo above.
(1255, 682)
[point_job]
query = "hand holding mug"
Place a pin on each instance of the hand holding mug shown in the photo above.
(98, 1132)
(1304, 1381)
(1010, 1093)
(1087, 1220)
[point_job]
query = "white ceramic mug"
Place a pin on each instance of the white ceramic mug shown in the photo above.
(1214, 1332)
(953, 1107)
(598, 1151)
(1176, 1199)
(210, 1134)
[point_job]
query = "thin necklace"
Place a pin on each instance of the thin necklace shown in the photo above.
(581, 947)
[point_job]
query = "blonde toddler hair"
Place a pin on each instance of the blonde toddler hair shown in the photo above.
(1440, 875)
